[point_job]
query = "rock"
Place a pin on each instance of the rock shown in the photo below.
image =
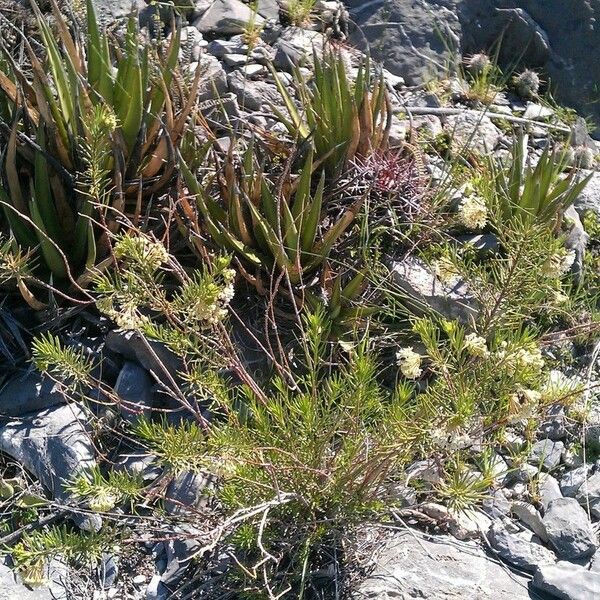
(470, 131)
(553, 427)
(485, 244)
(253, 95)
(588, 495)
(187, 491)
(153, 356)
(537, 111)
(135, 389)
(27, 393)
(527, 514)
(235, 60)
(109, 11)
(519, 552)
(253, 71)
(295, 48)
(139, 463)
(108, 571)
(269, 9)
(180, 552)
(418, 39)
(546, 453)
(589, 198)
(54, 445)
(569, 529)
(548, 489)
(221, 48)
(571, 481)
(10, 589)
(567, 581)
(452, 299)
(497, 506)
(213, 81)
(227, 17)
(410, 565)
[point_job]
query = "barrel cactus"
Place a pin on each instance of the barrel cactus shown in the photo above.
(478, 64)
(527, 84)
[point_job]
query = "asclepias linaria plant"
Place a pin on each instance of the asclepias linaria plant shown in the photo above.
(96, 123)
(268, 222)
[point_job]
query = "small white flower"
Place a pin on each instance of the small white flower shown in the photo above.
(103, 501)
(559, 263)
(476, 345)
(409, 363)
(473, 213)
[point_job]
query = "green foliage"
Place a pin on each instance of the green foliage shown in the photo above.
(299, 11)
(181, 447)
(540, 193)
(35, 549)
(269, 224)
(104, 492)
(343, 121)
(105, 127)
(69, 364)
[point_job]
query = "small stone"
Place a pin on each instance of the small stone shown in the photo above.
(548, 489)
(531, 517)
(517, 551)
(537, 111)
(253, 70)
(473, 132)
(567, 581)
(235, 60)
(227, 17)
(569, 529)
(497, 506)
(139, 580)
(571, 481)
(546, 453)
(588, 495)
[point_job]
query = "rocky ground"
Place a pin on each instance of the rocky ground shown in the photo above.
(518, 544)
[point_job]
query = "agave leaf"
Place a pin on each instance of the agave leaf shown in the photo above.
(53, 258)
(310, 226)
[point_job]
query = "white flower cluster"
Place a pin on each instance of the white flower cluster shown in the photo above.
(559, 263)
(127, 317)
(475, 345)
(143, 250)
(216, 310)
(521, 358)
(472, 212)
(409, 363)
(103, 501)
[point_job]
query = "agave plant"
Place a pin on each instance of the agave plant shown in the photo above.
(538, 194)
(345, 120)
(268, 224)
(94, 124)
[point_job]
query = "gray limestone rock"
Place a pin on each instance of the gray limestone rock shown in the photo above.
(517, 550)
(54, 445)
(546, 454)
(226, 17)
(569, 530)
(412, 566)
(567, 581)
(451, 299)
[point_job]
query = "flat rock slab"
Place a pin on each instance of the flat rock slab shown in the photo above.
(439, 568)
